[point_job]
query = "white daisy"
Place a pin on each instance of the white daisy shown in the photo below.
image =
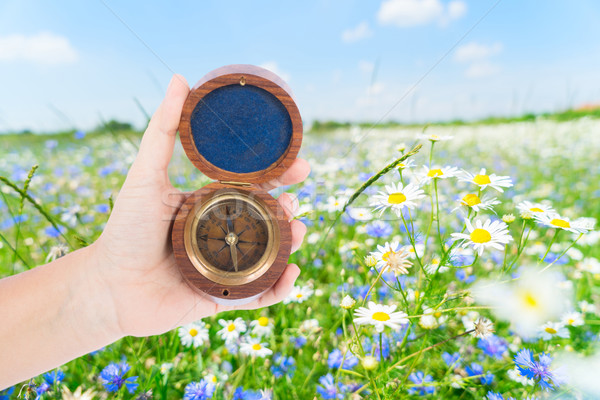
(397, 197)
(165, 368)
(360, 213)
(194, 334)
(552, 330)
(335, 204)
(431, 319)
(572, 318)
(310, 325)
(484, 180)
(435, 138)
(589, 264)
(483, 328)
(437, 173)
(393, 257)
(253, 347)
(434, 266)
(379, 316)
(587, 308)
(262, 326)
(420, 247)
(298, 294)
(534, 208)
(489, 234)
(407, 164)
(347, 302)
(476, 203)
(231, 329)
(556, 221)
(516, 376)
(381, 256)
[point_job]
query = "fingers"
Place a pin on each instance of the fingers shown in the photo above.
(289, 203)
(158, 141)
(297, 172)
(298, 232)
(290, 206)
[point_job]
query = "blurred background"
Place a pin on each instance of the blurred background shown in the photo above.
(68, 65)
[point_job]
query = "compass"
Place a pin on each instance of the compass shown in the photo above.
(240, 127)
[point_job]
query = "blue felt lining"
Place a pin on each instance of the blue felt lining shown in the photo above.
(241, 128)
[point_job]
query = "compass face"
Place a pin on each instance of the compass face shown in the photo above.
(232, 238)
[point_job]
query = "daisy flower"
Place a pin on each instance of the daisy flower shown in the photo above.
(483, 328)
(194, 334)
(434, 266)
(551, 330)
(382, 254)
(431, 319)
(573, 318)
(407, 164)
(253, 347)
(298, 294)
(231, 329)
(360, 213)
(556, 221)
(435, 138)
(380, 316)
(534, 208)
(438, 173)
(476, 203)
(335, 204)
(262, 326)
(393, 257)
(489, 234)
(396, 197)
(483, 180)
(411, 250)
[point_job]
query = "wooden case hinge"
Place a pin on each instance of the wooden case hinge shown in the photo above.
(244, 184)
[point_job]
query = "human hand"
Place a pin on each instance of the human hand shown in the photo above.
(145, 293)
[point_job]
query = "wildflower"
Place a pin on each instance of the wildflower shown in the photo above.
(199, 390)
(438, 173)
(347, 302)
(477, 370)
(396, 197)
(535, 208)
(477, 204)
(165, 368)
(193, 334)
(434, 138)
(493, 346)
(369, 363)
(370, 260)
(418, 378)
(589, 264)
(231, 329)
(89, 394)
(407, 164)
(262, 326)
(57, 252)
(335, 204)
(381, 256)
(360, 214)
(328, 389)
(335, 358)
(379, 229)
(113, 377)
(283, 366)
(431, 319)
(508, 218)
(558, 222)
(573, 318)
(379, 316)
(540, 370)
(516, 376)
(451, 359)
(526, 215)
(298, 294)
(586, 307)
(393, 257)
(253, 347)
(54, 377)
(489, 234)
(526, 302)
(434, 267)
(483, 328)
(483, 180)
(551, 330)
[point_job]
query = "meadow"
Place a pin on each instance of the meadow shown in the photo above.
(425, 272)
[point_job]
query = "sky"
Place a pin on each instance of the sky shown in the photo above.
(69, 64)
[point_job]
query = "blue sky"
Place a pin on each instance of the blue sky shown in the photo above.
(66, 63)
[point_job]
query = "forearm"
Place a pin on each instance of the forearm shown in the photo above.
(51, 315)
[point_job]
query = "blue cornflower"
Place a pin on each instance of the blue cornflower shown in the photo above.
(420, 378)
(79, 134)
(102, 208)
(199, 390)
(241, 394)
(53, 232)
(539, 370)
(379, 229)
(113, 377)
(462, 276)
(283, 366)
(475, 369)
(451, 359)
(493, 346)
(299, 342)
(5, 394)
(54, 377)
(335, 360)
(328, 389)
(372, 346)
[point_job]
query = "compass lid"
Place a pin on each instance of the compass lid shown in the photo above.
(240, 123)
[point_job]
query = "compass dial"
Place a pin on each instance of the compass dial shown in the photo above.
(232, 237)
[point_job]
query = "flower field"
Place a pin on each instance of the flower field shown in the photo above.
(467, 268)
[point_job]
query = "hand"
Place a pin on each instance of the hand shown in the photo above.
(145, 293)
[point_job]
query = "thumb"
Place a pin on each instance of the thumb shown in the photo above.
(157, 144)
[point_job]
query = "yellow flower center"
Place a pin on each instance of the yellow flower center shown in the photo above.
(299, 295)
(386, 255)
(550, 330)
(482, 179)
(434, 137)
(570, 321)
(193, 332)
(401, 165)
(263, 321)
(433, 173)
(396, 198)
(231, 327)
(214, 379)
(380, 316)
(529, 299)
(471, 200)
(536, 209)
(437, 314)
(480, 236)
(256, 347)
(561, 223)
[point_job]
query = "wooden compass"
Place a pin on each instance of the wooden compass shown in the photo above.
(240, 127)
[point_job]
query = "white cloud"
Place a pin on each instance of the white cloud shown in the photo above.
(362, 31)
(366, 66)
(407, 13)
(42, 48)
(274, 67)
(477, 56)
